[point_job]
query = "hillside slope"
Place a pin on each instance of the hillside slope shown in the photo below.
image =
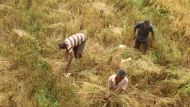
(31, 65)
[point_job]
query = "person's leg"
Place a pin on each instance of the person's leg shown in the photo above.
(75, 51)
(145, 46)
(137, 44)
(80, 55)
(81, 49)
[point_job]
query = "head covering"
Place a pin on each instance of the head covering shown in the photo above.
(121, 73)
(61, 45)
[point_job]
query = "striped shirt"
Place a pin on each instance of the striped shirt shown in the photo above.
(74, 40)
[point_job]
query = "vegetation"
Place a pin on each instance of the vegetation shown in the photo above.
(31, 64)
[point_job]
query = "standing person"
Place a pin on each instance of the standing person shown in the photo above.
(142, 36)
(117, 83)
(74, 46)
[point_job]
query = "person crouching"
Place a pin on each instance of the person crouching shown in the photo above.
(74, 46)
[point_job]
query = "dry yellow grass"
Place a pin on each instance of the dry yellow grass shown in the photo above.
(31, 65)
(180, 13)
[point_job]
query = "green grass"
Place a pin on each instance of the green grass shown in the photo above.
(31, 67)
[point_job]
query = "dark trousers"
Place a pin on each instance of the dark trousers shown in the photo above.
(139, 42)
(78, 50)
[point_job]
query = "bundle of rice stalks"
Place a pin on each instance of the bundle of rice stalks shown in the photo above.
(92, 95)
(108, 38)
(151, 78)
(119, 101)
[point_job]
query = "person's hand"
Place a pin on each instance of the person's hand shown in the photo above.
(106, 98)
(152, 43)
(66, 69)
(134, 37)
(154, 40)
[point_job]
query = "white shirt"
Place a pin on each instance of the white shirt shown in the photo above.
(121, 85)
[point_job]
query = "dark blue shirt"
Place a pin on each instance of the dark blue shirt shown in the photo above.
(143, 33)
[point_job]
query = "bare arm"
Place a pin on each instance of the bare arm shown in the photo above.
(135, 29)
(153, 37)
(107, 96)
(70, 57)
(114, 89)
(119, 90)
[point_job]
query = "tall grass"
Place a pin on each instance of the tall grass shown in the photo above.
(31, 29)
(179, 13)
